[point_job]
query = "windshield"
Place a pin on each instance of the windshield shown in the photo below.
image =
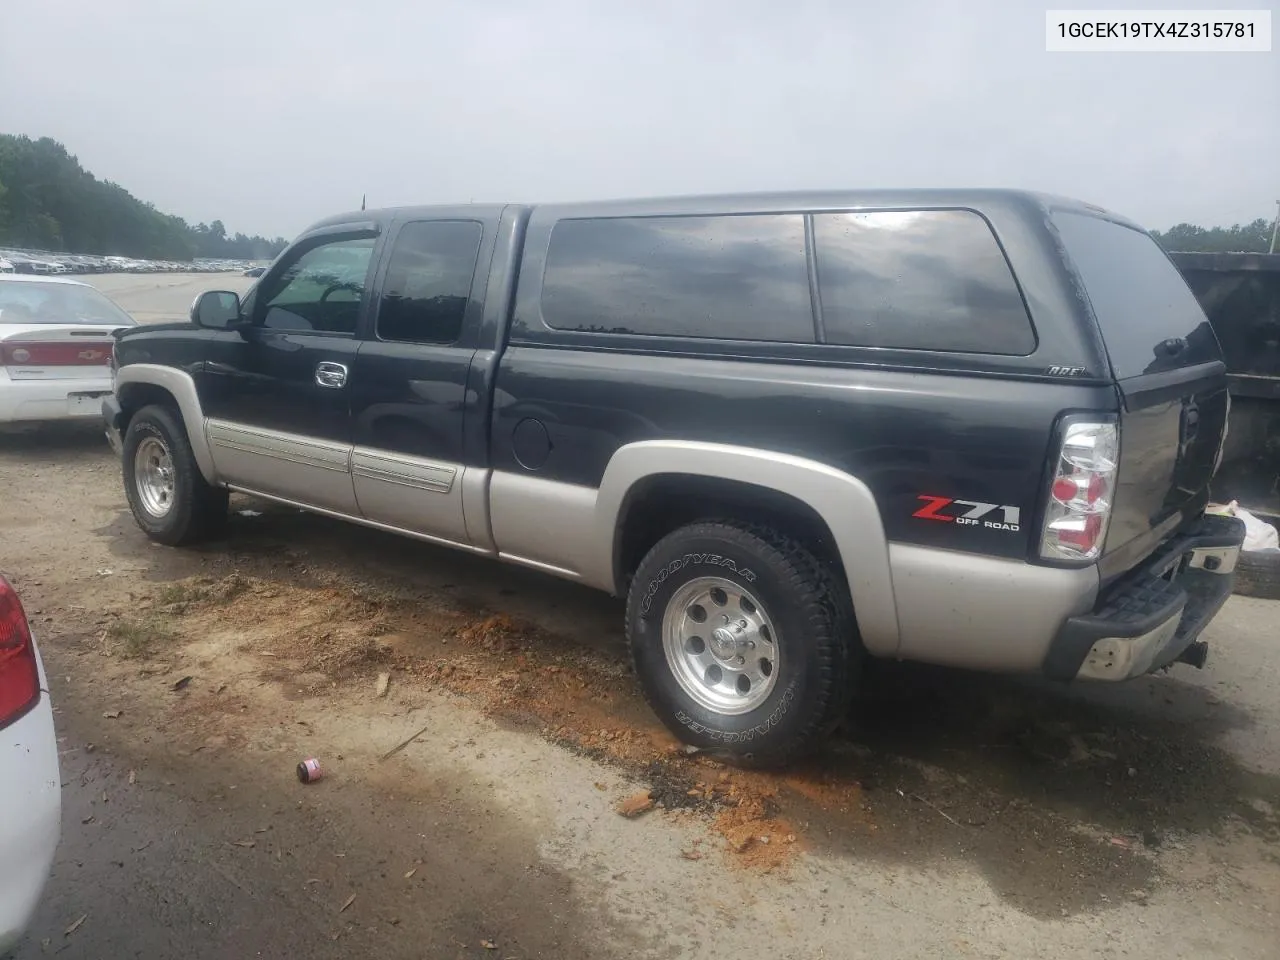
(27, 302)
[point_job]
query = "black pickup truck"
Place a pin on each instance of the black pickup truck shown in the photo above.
(974, 428)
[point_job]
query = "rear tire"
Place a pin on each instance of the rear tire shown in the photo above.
(743, 642)
(170, 499)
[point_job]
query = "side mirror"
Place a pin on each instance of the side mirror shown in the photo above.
(216, 310)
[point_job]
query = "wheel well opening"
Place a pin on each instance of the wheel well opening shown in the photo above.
(134, 396)
(658, 505)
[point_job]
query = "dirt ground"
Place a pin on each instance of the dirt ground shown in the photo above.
(472, 809)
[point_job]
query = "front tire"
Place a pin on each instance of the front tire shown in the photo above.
(170, 499)
(743, 643)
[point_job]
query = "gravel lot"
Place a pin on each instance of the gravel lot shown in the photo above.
(957, 815)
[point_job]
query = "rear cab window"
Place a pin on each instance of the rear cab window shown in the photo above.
(1140, 300)
(428, 282)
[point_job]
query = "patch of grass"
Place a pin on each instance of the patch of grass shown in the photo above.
(136, 639)
(340, 654)
(183, 591)
(230, 588)
(376, 595)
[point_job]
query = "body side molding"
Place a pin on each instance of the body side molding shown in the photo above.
(278, 445)
(420, 473)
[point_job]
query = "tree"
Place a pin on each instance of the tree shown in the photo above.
(49, 202)
(1253, 237)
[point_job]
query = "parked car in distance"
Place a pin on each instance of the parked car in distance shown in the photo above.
(6, 266)
(255, 272)
(31, 797)
(794, 430)
(55, 349)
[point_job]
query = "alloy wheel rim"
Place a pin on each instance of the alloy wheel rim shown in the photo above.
(721, 645)
(154, 477)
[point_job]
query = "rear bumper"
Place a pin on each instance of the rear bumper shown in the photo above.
(1153, 615)
(39, 401)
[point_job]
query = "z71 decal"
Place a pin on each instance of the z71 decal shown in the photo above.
(969, 513)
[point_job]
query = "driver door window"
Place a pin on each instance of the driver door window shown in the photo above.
(321, 290)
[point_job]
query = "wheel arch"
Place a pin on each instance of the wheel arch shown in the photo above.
(659, 503)
(140, 384)
(838, 503)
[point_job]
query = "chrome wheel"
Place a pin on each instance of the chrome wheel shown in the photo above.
(720, 645)
(153, 476)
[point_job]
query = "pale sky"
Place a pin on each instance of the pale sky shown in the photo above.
(269, 115)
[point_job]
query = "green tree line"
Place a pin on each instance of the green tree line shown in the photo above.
(49, 202)
(1252, 237)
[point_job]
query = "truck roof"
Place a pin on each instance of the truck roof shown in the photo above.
(761, 202)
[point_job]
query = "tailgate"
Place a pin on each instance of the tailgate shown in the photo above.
(1170, 376)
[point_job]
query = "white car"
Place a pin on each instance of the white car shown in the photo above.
(30, 787)
(56, 347)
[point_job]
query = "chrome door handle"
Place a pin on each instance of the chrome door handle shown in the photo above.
(332, 375)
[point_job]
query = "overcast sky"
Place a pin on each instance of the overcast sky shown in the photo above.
(269, 114)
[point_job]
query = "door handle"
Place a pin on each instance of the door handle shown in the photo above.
(331, 375)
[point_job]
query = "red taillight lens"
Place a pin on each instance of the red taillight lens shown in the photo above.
(1087, 486)
(19, 677)
(1075, 522)
(92, 353)
(1065, 489)
(1081, 534)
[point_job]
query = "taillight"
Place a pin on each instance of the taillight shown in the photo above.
(57, 354)
(1075, 521)
(19, 677)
